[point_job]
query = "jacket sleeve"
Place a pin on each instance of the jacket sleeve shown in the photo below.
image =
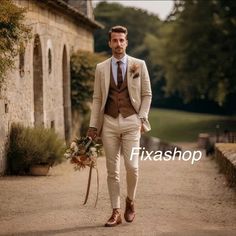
(146, 93)
(97, 101)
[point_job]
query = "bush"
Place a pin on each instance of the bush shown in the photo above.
(83, 66)
(13, 33)
(30, 146)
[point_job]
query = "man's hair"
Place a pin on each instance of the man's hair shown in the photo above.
(118, 29)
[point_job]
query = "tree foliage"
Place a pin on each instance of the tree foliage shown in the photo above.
(139, 23)
(83, 65)
(198, 50)
(13, 33)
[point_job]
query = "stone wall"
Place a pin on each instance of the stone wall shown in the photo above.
(62, 35)
(225, 155)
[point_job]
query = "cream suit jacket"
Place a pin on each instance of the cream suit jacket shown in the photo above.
(139, 90)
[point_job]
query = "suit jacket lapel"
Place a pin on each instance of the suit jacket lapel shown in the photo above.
(129, 79)
(128, 71)
(107, 73)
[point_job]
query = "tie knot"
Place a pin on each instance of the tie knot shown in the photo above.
(118, 63)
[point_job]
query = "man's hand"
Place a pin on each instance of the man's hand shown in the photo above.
(92, 132)
(142, 128)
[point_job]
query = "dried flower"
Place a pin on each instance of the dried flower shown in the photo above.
(83, 152)
(133, 70)
(134, 67)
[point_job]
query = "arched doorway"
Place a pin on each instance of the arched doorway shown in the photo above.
(66, 95)
(38, 82)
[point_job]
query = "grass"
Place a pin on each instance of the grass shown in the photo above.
(180, 126)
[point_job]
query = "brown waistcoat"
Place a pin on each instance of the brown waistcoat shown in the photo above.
(118, 100)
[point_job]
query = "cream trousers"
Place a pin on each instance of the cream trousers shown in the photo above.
(119, 136)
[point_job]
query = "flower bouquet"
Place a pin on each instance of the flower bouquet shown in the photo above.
(84, 152)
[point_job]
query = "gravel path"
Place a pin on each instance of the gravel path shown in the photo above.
(173, 198)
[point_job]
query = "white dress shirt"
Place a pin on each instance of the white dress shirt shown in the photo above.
(123, 65)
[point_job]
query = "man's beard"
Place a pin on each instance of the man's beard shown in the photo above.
(119, 50)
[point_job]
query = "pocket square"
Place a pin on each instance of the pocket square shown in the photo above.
(136, 75)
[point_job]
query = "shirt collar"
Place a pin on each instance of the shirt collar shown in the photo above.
(123, 59)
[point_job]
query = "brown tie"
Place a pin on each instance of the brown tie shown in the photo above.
(119, 75)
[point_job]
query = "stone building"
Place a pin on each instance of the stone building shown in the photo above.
(37, 92)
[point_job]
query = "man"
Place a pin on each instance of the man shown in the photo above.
(121, 103)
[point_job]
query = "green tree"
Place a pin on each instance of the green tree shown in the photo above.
(83, 65)
(13, 33)
(198, 50)
(139, 23)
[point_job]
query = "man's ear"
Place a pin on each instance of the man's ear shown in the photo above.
(109, 43)
(127, 42)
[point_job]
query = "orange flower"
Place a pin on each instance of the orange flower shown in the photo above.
(134, 68)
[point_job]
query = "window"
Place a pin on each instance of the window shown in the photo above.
(53, 124)
(49, 61)
(6, 108)
(22, 60)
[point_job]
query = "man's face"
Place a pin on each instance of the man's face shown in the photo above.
(118, 43)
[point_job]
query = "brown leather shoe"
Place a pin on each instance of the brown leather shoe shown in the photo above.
(115, 219)
(129, 210)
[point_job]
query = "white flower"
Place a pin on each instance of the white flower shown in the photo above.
(73, 144)
(67, 155)
(93, 152)
(74, 147)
